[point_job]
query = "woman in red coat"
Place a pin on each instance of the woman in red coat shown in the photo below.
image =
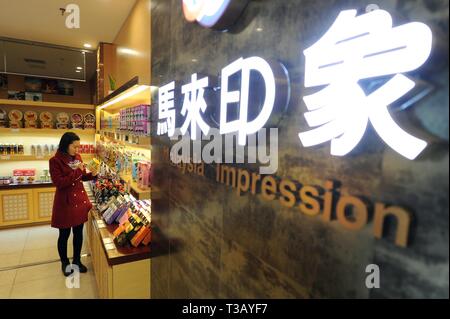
(71, 204)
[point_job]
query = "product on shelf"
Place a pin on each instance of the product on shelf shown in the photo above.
(15, 119)
(134, 228)
(89, 121)
(144, 169)
(3, 118)
(135, 120)
(118, 206)
(147, 238)
(106, 190)
(30, 118)
(140, 236)
(39, 150)
(46, 120)
(77, 121)
(93, 165)
(24, 175)
(87, 149)
(130, 229)
(62, 120)
(11, 149)
(45, 177)
(19, 179)
(5, 180)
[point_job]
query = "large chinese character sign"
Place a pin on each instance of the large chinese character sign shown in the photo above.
(353, 49)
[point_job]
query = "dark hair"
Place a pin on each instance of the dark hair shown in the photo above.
(67, 139)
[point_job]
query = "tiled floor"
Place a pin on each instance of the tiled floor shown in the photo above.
(22, 246)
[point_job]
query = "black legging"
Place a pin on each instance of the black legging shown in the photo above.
(64, 234)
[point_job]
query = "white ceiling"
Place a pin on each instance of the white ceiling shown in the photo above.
(41, 21)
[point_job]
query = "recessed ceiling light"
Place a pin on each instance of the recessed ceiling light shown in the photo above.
(87, 45)
(194, 60)
(259, 29)
(79, 68)
(78, 71)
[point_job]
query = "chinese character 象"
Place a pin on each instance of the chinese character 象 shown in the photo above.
(356, 48)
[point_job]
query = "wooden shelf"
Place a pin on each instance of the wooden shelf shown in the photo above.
(47, 104)
(129, 94)
(37, 184)
(13, 158)
(45, 131)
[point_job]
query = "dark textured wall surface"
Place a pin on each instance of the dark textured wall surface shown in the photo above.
(225, 246)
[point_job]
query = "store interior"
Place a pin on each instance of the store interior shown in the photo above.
(301, 220)
(93, 81)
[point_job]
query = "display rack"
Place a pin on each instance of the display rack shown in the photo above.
(47, 104)
(12, 158)
(46, 131)
(31, 203)
(144, 142)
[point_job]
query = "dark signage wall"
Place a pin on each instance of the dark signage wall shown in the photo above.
(221, 244)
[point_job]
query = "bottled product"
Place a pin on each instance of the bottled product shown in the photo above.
(11, 149)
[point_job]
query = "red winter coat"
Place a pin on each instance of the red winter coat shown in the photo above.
(71, 204)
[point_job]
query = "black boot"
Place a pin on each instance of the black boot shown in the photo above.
(82, 268)
(66, 268)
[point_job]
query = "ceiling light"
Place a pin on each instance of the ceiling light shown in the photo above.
(87, 45)
(79, 68)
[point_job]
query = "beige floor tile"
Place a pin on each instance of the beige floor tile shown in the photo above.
(11, 246)
(12, 259)
(47, 238)
(7, 277)
(55, 287)
(38, 272)
(13, 234)
(39, 255)
(42, 229)
(44, 271)
(5, 291)
(39, 243)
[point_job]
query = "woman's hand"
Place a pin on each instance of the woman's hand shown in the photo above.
(81, 166)
(94, 173)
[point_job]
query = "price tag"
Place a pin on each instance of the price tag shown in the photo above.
(40, 157)
(110, 246)
(5, 157)
(101, 224)
(108, 241)
(15, 130)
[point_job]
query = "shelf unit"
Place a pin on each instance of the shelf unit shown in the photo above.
(141, 193)
(46, 131)
(12, 158)
(29, 136)
(144, 141)
(47, 104)
(130, 94)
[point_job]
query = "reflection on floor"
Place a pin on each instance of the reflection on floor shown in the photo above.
(30, 267)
